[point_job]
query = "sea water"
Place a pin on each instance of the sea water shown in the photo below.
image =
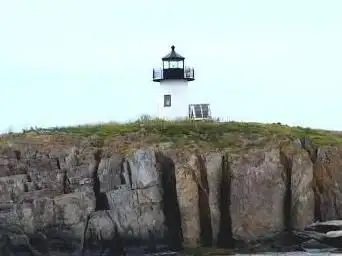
(207, 253)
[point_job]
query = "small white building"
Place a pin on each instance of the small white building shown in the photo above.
(173, 91)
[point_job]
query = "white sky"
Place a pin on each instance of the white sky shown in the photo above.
(70, 62)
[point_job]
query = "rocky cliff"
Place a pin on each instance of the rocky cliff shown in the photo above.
(161, 194)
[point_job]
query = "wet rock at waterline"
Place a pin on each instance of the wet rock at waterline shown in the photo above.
(321, 236)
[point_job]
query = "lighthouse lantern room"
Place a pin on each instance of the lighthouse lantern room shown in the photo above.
(173, 91)
(173, 68)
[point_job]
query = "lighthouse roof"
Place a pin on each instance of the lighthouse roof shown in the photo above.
(173, 55)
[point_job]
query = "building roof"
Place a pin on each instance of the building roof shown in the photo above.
(173, 55)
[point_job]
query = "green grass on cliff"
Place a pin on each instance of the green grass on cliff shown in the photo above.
(217, 134)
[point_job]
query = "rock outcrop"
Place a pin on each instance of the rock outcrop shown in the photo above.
(328, 177)
(166, 196)
(258, 193)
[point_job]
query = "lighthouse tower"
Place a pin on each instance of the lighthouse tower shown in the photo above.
(173, 90)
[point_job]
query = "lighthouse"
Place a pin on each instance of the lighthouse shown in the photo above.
(173, 98)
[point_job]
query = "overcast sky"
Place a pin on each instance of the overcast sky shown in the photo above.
(70, 62)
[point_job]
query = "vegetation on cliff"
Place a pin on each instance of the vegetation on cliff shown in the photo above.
(290, 185)
(182, 133)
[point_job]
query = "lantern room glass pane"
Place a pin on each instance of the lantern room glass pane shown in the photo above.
(173, 64)
(166, 64)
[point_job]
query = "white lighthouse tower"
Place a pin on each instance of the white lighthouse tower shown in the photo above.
(173, 100)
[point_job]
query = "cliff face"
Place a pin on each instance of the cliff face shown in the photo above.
(169, 195)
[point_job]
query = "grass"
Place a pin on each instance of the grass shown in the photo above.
(216, 135)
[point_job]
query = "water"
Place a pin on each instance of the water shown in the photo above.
(143, 251)
(213, 252)
(219, 252)
(266, 253)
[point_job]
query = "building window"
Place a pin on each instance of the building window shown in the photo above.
(167, 100)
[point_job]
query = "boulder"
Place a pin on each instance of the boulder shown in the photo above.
(327, 180)
(72, 210)
(36, 213)
(141, 168)
(299, 168)
(110, 173)
(101, 234)
(257, 196)
(214, 175)
(12, 187)
(79, 169)
(187, 175)
(45, 174)
(136, 204)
